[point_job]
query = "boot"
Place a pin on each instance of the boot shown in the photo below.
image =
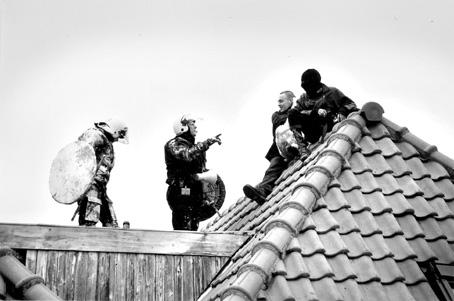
(254, 194)
(303, 151)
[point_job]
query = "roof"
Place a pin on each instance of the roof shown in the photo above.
(351, 223)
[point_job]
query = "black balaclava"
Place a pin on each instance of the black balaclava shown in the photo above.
(311, 83)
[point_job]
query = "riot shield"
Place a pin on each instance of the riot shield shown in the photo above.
(284, 138)
(213, 198)
(72, 172)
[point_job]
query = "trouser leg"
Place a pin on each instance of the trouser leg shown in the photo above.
(274, 171)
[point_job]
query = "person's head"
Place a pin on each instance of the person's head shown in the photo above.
(115, 129)
(311, 82)
(285, 100)
(185, 124)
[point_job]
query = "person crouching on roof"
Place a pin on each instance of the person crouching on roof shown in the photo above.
(316, 111)
(184, 160)
(278, 164)
(95, 205)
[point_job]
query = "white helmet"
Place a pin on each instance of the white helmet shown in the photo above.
(180, 125)
(117, 128)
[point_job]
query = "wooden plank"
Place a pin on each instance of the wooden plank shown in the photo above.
(131, 266)
(61, 281)
(197, 276)
(118, 276)
(150, 277)
(41, 264)
(80, 284)
(102, 288)
(30, 260)
(70, 275)
(169, 286)
(91, 276)
(52, 271)
(188, 272)
(94, 239)
(209, 270)
(160, 277)
(179, 278)
(139, 277)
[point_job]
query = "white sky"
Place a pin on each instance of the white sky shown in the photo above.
(65, 64)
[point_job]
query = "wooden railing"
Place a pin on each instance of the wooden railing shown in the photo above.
(80, 263)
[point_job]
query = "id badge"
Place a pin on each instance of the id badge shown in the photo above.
(185, 191)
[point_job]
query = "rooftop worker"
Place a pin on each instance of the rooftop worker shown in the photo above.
(95, 205)
(317, 110)
(185, 160)
(277, 163)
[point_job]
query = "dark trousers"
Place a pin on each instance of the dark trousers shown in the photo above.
(274, 171)
(313, 126)
(184, 213)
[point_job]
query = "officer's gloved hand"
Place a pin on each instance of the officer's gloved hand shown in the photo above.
(322, 112)
(211, 141)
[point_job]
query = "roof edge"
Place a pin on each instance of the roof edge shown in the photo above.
(427, 150)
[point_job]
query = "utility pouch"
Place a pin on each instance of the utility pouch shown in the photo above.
(185, 191)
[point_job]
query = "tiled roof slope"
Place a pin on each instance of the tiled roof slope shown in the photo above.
(351, 223)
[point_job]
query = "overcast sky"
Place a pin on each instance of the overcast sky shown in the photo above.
(65, 64)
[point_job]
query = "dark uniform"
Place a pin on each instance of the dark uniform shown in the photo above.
(277, 163)
(304, 116)
(95, 205)
(184, 159)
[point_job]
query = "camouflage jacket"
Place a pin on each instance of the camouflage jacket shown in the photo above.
(184, 158)
(104, 152)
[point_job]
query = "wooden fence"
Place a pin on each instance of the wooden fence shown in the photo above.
(79, 263)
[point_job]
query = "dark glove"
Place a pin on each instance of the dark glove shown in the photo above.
(211, 141)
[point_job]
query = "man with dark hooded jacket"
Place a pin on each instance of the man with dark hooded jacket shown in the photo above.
(317, 110)
(277, 163)
(185, 159)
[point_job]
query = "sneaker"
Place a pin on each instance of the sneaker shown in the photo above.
(254, 194)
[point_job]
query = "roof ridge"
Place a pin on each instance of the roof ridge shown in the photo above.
(426, 149)
(312, 185)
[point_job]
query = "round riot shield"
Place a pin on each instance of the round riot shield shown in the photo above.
(72, 172)
(284, 139)
(213, 198)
